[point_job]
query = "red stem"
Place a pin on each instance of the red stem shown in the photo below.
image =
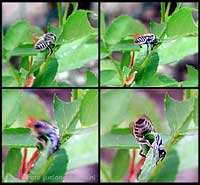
(132, 61)
(132, 164)
(30, 163)
(23, 164)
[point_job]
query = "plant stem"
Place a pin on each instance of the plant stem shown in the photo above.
(178, 5)
(59, 5)
(118, 69)
(65, 12)
(162, 5)
(75, 94)
(104, 172)
(167, 10)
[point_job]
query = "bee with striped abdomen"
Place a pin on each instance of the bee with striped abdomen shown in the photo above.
(149, 39)
(41, 129)
(141, 127)
(47, 41)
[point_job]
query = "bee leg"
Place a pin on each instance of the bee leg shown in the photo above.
(148, 143)
(148, 48)
(41, 142)
(141, 152)
(145, 141)
(49, 50)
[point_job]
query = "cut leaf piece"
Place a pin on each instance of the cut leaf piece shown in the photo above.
(177, 112)
(181, 23)
(18, 138)
(64, 113)
(121, 27)
(89, 108)
(77, 25)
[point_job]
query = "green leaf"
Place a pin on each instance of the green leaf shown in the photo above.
(12, 162)
(47, 73)
(89, 108)
(10, 106)
(147, 74)
(192, 77)
(181, 23)
(18, 138)
(77, 26)
(82, 148)
(56, 167)
(75, 55)
(64, 113)
(125, 60)
(120, 164)
(177, 112)
(17, 34)
(24, 50)
(176, 50)
(124, 46)
(121, 27)
(92, 80)
(106, 76)
(116, 140)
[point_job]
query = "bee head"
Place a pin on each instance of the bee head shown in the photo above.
(162, 154)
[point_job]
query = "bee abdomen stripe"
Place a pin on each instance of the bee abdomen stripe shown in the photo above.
(140, 121)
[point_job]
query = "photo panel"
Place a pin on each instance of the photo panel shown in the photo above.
(146, 133)
(149, 44)
(54, 47)
(49, 135)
